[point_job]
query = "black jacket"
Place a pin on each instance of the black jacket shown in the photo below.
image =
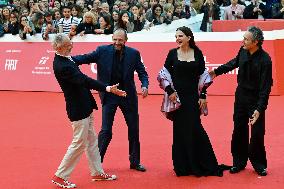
(103, 56)
(276, 14)
(89, 28)
(254, 75)
(215, 16)
(76, 87)
(249, 14)
(13, 28)
(1, 30)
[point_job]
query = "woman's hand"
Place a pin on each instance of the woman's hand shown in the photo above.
(82, 33)
(29, 29)
(202, 103)
(6, 27)
(141, 18)
(99, 31)
(135, 16)
(26, 29)
(173, 97)
(125, 20)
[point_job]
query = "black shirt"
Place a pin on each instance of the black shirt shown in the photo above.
(255, 74)
(117, 69)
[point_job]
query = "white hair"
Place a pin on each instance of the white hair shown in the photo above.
(59, 39)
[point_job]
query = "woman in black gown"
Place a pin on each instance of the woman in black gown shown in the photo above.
(192, 152)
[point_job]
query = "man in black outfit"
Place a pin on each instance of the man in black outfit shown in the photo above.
(251, 99)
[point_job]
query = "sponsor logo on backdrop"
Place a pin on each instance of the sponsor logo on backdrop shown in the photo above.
(13, 51)
(42, 68)
(43, 60)
(210, 67)
(11, 64)
(50, 51)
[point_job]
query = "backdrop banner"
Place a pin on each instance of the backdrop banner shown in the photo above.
(27, 66)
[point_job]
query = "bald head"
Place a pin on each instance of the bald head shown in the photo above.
(119, 39)
(121, 31)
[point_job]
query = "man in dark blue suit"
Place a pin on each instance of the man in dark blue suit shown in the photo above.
(116, 63)
(79, 106)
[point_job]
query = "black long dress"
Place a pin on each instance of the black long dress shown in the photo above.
(192, 152)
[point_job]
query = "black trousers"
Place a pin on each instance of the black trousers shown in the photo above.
(243, 148)
(130, 113)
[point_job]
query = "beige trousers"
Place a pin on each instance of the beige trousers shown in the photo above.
(84, 139)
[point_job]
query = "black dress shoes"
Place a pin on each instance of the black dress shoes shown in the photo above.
(261, 172)
(234, 170)
(138, 167)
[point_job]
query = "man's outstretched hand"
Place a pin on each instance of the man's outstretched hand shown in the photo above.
(212, 74)
(116, 91)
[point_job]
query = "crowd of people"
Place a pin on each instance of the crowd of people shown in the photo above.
(79, 17)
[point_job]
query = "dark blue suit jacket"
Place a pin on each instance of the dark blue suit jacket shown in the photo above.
(76, 88)
(103, 57)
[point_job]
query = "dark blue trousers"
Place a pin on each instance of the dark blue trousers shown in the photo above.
(130, 113)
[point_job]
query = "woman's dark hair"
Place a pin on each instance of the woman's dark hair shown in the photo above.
(117, 12)
(78, 9)
(3, 17)
(107, 18)
(187, 31)
(20, 21)
(120, 22)
(28, 4)
(154, 8)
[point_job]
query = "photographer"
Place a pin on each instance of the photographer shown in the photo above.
(234, 11)
(124, 22)
(278, 10)
(255, 10)
(49, 26)
(34, 8)
(139, 18)
(13, 25)
(26, 27)
(211, 12)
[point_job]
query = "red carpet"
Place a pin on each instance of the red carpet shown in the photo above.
(35, 133)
